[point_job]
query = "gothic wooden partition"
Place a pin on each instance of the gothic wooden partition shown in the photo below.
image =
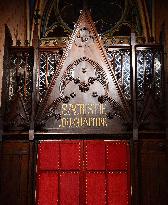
(88, 82)
(88, 86)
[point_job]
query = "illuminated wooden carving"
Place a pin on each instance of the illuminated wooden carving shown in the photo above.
(84, 79)
(84, 70)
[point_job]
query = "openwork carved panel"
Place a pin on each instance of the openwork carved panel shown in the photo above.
(48, 64)
(149, 64)
(158, 73)
(20, 73)
(19, 87)
(149, 87)
(120, 63)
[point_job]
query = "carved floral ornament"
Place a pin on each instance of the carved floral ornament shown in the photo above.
(84, 85)
(84, 38)
(71, 75)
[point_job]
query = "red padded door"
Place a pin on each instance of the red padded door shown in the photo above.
(58, 172)
(83, 172)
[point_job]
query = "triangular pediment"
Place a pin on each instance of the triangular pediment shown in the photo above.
(83, 92)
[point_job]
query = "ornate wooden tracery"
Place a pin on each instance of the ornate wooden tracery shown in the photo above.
(98, 71)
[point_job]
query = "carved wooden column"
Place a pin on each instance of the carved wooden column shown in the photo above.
(35, 44)
(133, 65)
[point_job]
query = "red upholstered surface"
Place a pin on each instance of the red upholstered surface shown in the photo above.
(95, 154)
(47, 188)
(83, 172)
(117, 189)
(117, 156)
(95, 189)
(48, 156)
(69, 188)
(70, 156)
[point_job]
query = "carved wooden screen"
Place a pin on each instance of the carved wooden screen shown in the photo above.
(83, 172)
(84, 84)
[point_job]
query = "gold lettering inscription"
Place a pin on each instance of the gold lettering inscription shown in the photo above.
(65, 110)
(83, 122)
(82, 109)
(102, 109)
(74, 108)
(83, 115)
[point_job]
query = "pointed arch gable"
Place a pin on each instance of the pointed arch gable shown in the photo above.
(94, 83)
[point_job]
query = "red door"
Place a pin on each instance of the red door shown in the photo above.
(83, 172)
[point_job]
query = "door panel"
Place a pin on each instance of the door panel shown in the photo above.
(70, 156)
(48, 156)
(117, 156)
(117, 189)
(154, 172)
(69, 188)
(95, 155)
(16, 165)
(47, 188)
(95, 188)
